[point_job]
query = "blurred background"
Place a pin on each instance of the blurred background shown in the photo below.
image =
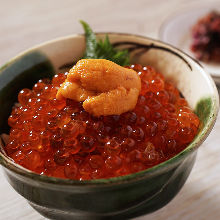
(25, 23)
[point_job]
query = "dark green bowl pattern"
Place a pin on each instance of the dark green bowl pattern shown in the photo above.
(115, 198)
(20, 73)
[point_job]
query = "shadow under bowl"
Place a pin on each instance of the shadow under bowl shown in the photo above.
(120, 197)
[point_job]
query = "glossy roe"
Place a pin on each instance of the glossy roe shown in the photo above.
(59, 138)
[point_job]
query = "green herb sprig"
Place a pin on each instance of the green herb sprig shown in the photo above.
(103, 49)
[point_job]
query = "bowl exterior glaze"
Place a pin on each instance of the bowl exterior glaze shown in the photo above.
(117, 201)
(116, 198)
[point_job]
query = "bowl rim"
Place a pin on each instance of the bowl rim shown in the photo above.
(166, 165)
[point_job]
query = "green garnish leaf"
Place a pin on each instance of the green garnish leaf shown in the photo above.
(103, 49)
(91, 43)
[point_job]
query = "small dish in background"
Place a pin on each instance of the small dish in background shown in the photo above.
(176, 30)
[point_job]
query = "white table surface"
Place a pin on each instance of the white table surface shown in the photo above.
(24, 23)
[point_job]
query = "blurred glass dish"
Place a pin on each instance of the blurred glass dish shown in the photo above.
(176, 30)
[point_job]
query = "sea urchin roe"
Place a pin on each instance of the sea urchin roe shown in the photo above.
(105, 87)
(59, 138)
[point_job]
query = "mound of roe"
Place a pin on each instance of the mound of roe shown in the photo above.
(59, 138)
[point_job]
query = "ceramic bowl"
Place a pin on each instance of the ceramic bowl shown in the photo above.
(120, 197)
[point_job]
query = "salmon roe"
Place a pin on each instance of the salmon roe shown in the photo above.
(59, 138)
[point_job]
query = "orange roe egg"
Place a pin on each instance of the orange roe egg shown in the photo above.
(71, 170)
(58, 79)
(24, 95)
(59, 138)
